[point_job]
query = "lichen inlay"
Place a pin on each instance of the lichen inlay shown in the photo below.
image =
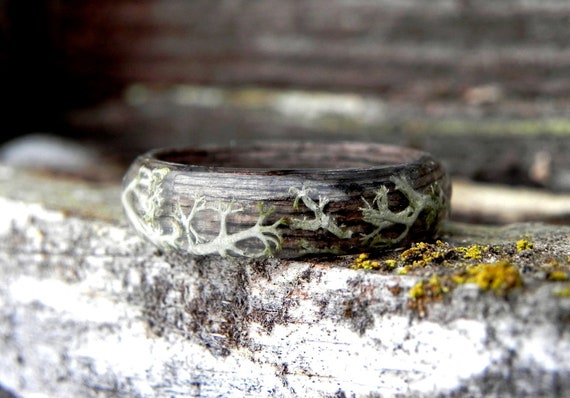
(378, 212)
(180, 226)
(142, 199)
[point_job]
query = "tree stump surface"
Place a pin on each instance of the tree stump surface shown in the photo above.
(90, 309)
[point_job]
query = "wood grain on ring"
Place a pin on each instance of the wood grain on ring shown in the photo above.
(286, 199)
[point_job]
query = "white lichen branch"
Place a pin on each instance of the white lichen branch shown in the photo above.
(321, 220)
(379, 214)
(192, 236)
(228, 243)
(142, 200)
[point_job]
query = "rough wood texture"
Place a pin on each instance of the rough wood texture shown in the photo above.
(88, 309)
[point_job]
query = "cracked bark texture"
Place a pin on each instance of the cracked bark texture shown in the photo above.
(89, 309)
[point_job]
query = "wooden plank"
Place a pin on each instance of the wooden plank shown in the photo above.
(359, 45)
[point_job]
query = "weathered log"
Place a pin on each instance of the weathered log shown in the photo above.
(89, 309)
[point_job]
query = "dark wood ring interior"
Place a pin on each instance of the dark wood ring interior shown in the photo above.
(292, 156)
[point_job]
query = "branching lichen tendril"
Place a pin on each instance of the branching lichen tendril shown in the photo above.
(143, 200)
(379, 214)
(322, 220)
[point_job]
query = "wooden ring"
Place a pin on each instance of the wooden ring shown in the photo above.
(286, 199)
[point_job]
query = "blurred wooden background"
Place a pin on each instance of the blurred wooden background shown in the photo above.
(483, 84)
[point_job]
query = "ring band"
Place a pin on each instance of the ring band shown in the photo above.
(286, 200)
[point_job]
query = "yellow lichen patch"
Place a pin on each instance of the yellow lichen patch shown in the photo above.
(363, 262)
(524, 244)
(563, 293)
(474, 252)
(557, 276)
(500, 277)
(427, 291)
(415, 252)
(417, 291)
(555, 271)
(402, 270)
(422, 253)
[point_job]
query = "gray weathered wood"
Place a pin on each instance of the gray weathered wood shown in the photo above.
(89, 309)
